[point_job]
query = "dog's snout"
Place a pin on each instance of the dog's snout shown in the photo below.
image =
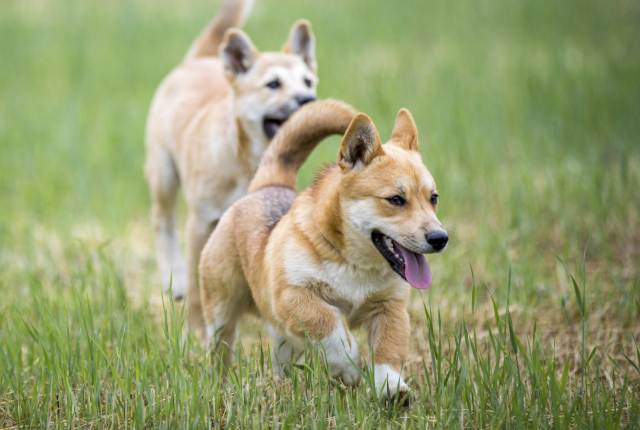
(304, 99)
(438, 240)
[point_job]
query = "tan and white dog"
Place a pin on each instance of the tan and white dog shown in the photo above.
(210, 121)
(339, 255)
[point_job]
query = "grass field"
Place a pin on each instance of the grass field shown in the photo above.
(529, 120)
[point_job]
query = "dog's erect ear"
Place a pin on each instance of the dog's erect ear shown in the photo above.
(237, 52)
(405, 132)
(302, 42)
(360, 144)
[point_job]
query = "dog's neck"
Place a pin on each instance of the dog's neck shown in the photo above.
(326, 214)
(251, 142)
(244, 149)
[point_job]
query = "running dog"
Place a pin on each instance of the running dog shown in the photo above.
(339, 255)
(209, 123)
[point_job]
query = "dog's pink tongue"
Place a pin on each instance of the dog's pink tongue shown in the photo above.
(416, 268)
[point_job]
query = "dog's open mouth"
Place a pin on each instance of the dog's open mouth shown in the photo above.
(413, 267)
(272, 125)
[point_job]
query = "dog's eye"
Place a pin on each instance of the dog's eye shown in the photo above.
(274, 84)
(434, 199)
(396, 200)
(307, 82)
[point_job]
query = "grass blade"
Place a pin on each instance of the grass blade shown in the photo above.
(579, 298)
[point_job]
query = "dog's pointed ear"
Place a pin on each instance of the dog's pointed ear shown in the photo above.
(405, 132)
(237, 52)
(360, 144)
(302, 42)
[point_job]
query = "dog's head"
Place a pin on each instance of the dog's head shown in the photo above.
(389, 198)
(268, 87)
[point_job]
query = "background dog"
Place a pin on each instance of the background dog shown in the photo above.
(339, 255)
(210, 121)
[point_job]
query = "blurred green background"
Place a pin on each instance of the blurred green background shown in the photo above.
(528, 114)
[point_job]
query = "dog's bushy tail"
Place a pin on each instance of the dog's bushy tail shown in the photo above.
(232, 15)
(293, 143)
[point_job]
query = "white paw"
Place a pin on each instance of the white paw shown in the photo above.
(389, 382)
(281, 353)
(208, 337)
(179, 291)
(342, 355)
(177, 282)
(348, 375)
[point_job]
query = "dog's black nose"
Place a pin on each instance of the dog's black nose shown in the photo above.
(305, 99)
(438, 240)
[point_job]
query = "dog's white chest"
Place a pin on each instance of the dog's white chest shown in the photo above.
(354, 285)
(347, 283)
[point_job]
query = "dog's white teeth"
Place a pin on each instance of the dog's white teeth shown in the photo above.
(389, 243)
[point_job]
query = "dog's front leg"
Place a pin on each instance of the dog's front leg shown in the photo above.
(337, 349)
(389, 339)
(327, 329)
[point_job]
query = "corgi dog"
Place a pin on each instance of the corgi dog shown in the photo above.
(209, 123)
(341, 254)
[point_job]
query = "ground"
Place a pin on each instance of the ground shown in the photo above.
(528, 120)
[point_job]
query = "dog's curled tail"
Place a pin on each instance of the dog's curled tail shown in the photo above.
(293, 143)
(232, 15)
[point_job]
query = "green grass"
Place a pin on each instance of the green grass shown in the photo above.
(528, 117)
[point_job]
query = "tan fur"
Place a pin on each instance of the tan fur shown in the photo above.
(206, 132)
(232, 14)
(309, 260)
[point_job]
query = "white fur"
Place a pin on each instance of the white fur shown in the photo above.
(350, 283)
(362, 215)
(173, 269)
(280, 352)
(429, 183)
(246, 11)
(336, 349)
(385, 375)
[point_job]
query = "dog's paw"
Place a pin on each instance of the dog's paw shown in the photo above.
(174, 279)
(401, 397)
(178, 288)
(390, 385)
(179, 293)
(348, 375)
(343, 355)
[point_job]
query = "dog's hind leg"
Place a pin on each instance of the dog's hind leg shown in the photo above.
(164, 182)
(282, 353)
(224, 292)
(221, 331)
(198, 231)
